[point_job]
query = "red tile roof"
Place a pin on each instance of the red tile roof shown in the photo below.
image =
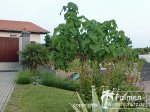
(19, 26)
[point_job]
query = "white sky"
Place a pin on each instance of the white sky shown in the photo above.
(132, 16)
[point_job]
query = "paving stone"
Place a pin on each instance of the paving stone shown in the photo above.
(145, 73)
(6, 86)
(1, 105)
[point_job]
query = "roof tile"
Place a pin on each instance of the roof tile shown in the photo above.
(8, 25)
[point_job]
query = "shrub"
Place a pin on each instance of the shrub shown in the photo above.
(33, 55)
(48, 40)
(51, 80)
(113, 78)
(24, 77)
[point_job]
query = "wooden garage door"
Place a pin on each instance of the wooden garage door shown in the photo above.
(9, 48)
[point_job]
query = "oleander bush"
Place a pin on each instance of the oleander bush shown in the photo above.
(113, 78)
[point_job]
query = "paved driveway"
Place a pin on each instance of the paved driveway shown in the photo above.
(6, 87)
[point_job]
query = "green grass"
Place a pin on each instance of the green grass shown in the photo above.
(24, 77)
(51, 80)
(29, 98)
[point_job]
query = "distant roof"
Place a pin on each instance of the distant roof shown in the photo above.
(19, 26)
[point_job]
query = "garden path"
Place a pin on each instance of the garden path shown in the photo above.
(7, 85)
(145, 77)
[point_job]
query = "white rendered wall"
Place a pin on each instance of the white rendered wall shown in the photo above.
(33, 37)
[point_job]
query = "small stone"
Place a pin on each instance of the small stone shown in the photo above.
(34, 83)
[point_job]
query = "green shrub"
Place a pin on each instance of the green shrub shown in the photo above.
(48, 40)
(33, 55)
(24, 77)
(113, 78)
(51, 80)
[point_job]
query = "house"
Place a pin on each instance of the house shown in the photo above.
(11, 38)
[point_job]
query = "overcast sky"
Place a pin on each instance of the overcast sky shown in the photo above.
(132, 16)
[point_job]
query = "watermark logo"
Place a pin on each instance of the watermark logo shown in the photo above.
(126, 99)
(114, 99)
(107, 99)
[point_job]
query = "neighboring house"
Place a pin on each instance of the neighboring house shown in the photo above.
(11, 38)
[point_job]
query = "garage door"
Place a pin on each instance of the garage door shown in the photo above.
(9, 48)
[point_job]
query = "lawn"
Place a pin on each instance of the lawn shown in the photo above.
(30, 98)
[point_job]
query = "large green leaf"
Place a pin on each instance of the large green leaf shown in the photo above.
(107, 49)
(92, 37)
(96, 107)
(82, 104)
(93, 47)
(85, 42)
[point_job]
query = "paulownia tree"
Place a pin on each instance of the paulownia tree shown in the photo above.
(86, 39)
